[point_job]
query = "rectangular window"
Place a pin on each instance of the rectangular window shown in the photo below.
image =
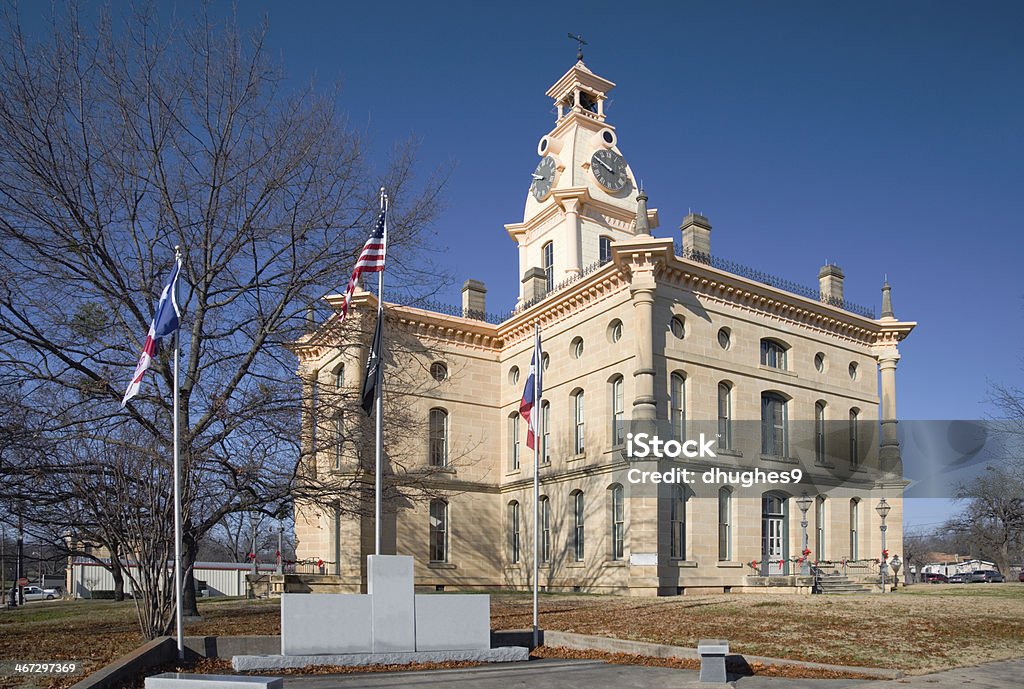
(545, 530)
(854, 448)
(579, 444)
(438, 437)
(773, 426)
(513, 431)
(819, 433)
(724, 524)
(854, 540)
(724, 416)
(577, 541)
(773, 354)
(618, 413)
(438, 531)
(549, 265)
(339, 438)
(677, 402)
(513, 534)
(677, 525)
(618, 524)
(605, 249)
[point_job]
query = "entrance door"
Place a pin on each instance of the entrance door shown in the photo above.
(773, 535)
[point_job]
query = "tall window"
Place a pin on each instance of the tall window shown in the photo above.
(854, 523)
(724, 416)
(819, 527)
(513, 531)
(618, 412)
(773, 354)
(618, 515)
(577, 518)
(438, 531)
(438, 438)
(339, 377)
(579, 444)
(604, 249)
(548, 252)
(774, 432)
(819, 432)
(724, 524)
(339, 438)
(677, 405)
(513, 436)
(677, 524)
(544, 510)
(854, 448)
(545, 432)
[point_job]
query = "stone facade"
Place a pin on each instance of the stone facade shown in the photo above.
(622, 325)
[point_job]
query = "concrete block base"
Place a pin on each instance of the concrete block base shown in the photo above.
(184, 680)
(506, 654)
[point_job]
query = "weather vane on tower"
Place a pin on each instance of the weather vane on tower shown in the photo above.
(579, 49)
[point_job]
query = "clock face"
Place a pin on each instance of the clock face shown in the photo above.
(610, 170)
(543, 178)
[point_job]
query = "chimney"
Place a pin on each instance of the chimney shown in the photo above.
(830, 282)
(535, 285)
(474, 299)
(696, 236)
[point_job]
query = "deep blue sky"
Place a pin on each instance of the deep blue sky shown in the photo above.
(886, 137)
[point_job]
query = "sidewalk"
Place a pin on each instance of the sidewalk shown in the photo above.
(592, 674)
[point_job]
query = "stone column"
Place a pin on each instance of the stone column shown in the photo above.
(889, 452)
(642, 290)
(572, 236)
(522, 263)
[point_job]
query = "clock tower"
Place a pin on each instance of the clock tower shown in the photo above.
(583, 195)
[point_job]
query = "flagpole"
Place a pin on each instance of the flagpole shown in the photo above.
(379, 473)
(177, 482)
(538, 409)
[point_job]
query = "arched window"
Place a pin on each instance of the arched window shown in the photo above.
(677, 524)
(618, 411)
(576, 500)
(604, 249)
(338, 376)
(819, 528)
(774, 427)
(854, 529)
(438, 531)
(819, 432)
(513, 531)
(618, 521)
(773, 354)
(438, 438)
(548, 259)
(677, 405)
(579, 443)
(854, 446)
(724, 524)
(724, 416)
(544, 516)
(545, 432)
(513, 437)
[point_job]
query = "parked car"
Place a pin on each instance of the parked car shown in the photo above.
(959, 579)
(36, 593)
(934, 578)
(987, 576)
(1020, 577)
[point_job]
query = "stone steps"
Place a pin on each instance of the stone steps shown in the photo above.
(840, 585)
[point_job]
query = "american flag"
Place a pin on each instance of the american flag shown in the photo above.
(371, 258)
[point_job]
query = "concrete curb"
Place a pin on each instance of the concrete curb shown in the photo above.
(160, 650)
(586, 642)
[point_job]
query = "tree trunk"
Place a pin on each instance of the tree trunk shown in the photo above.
(190, 548)
(118, 574)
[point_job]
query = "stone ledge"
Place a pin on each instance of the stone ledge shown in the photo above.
(507, 654)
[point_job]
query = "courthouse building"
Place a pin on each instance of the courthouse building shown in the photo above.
(636, 329)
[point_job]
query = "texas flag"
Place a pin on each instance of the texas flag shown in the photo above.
(164, 323)
(532, 395)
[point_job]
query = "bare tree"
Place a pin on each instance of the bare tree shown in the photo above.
(120, 141)
(993, 519)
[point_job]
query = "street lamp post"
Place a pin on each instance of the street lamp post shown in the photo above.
(255, 570)
(804, 503)
(280, 553)
(896, 563)
(883, 512)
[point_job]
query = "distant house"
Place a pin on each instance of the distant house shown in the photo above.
(949, 568)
